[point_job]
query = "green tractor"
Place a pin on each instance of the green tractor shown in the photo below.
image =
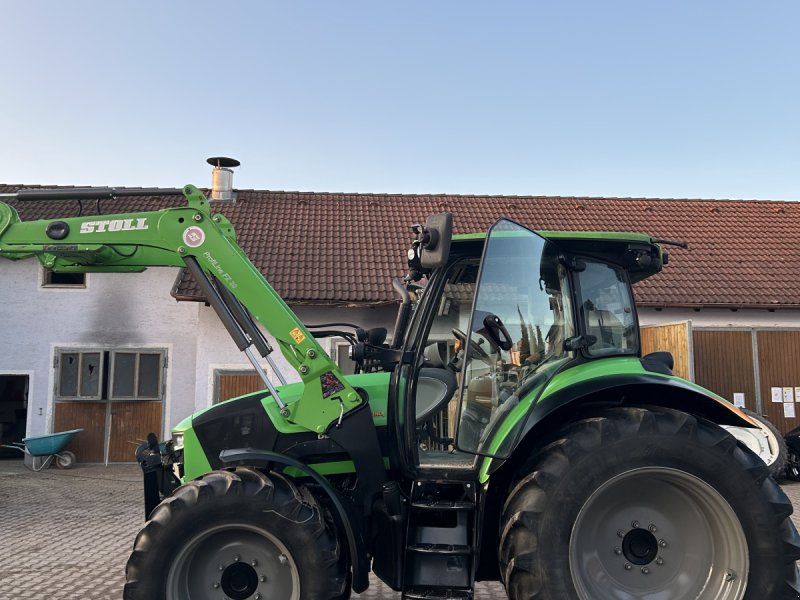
(508, 430)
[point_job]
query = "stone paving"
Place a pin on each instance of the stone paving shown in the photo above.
(66, 535)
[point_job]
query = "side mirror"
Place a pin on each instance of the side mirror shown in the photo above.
(435, 241)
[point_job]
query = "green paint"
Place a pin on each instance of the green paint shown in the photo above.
(341, 467)
(589, 371)
(195, 462)
(375, 384)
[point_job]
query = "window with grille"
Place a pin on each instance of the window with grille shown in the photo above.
(124, 374)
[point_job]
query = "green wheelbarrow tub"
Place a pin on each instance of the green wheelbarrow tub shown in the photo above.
(46, 445)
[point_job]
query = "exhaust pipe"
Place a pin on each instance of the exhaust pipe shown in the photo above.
(222, 178)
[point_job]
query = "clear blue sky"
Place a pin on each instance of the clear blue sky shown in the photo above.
(598, 98)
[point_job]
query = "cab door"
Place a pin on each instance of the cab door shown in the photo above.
(496, 326)
(521, 316)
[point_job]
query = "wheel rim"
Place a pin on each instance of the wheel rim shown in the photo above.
(65, 460)
(237, 561)
(759, 440)
(658, 534)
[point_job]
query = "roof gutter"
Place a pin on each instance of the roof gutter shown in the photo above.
(718, 305)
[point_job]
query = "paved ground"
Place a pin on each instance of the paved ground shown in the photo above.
(67, 534)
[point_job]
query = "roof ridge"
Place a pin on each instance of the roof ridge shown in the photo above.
(437, 195)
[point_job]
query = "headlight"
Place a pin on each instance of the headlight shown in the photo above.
(177, 441)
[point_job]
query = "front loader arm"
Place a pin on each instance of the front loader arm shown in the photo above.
(172, 237)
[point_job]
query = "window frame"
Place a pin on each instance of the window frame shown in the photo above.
(111, 373)
(582, 319)
(105, 391)
(46, 284)
(59, 366)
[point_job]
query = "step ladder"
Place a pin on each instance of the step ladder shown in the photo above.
(440, 551)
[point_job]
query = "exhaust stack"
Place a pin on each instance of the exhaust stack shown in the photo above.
(222, 178)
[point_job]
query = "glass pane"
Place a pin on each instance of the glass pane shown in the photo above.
(515, 339)
(606, 308)
(90, 375)
(343, 359)
(149, 375)
(124, 367)
(68, 377)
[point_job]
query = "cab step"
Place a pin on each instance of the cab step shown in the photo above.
(440, 544)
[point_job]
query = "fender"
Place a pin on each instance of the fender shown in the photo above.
(620, 389)
(344, 517)
(660, 390)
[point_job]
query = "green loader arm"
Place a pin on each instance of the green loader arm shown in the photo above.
(178, 237)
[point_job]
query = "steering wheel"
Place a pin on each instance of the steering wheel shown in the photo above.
(475, 349)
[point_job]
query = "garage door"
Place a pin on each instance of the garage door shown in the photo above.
(723, 363)
(779, 374)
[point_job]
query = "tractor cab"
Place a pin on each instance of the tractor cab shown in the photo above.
(497, 320)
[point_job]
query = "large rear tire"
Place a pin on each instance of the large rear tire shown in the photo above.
(639, 503)
(239, 535)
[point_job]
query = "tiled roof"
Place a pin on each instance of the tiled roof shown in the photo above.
(344, 248)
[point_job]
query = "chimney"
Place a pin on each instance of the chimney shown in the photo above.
(222, 178)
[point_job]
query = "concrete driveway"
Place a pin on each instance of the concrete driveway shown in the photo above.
(67, 534)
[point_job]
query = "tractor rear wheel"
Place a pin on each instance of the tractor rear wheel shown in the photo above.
(639, 503)
(241, 535)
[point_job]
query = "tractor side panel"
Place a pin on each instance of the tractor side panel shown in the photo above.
(617, 381)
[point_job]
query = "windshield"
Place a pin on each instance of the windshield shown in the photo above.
(521, 317)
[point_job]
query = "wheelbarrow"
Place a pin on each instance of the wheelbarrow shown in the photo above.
(46, 448)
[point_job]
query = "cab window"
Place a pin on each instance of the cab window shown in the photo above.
(606, 310)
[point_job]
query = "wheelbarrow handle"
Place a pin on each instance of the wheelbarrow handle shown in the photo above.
(15, 446)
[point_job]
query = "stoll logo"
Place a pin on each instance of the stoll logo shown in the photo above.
(114, 225)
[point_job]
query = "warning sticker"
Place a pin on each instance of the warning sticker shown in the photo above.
(330, 384)
(297, 335)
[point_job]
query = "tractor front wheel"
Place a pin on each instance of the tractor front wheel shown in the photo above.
(639, 503)
(237, 534)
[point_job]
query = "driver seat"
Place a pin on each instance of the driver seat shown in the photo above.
(435, 388)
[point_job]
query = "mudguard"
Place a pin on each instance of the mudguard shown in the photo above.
(344, 517)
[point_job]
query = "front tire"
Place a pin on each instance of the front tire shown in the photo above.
(237, 534)
(641, 503)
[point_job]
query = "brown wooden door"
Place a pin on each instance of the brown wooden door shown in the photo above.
(231, 385)
(779, 367)
(89, 444)
(723, 363)
(671, 337)
(130, 422)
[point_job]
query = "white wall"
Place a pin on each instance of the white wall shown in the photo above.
(114, 310)
(130, 310)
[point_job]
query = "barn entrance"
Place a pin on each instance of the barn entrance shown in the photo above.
(13, 411)
(115, 395)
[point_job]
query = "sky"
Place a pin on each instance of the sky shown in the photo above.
(697, 99)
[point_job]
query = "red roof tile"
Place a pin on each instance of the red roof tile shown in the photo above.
(345, 248)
